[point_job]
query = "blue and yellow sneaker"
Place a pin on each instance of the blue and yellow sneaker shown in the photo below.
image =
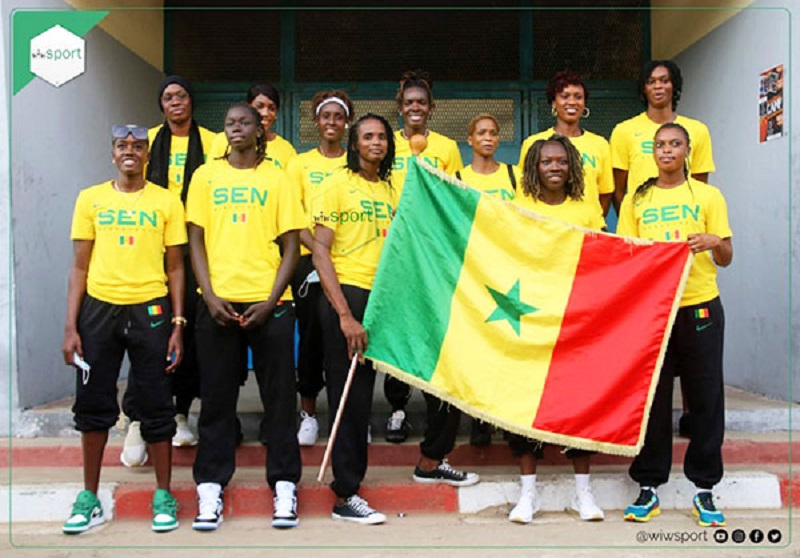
(644, 508)
(706, 512)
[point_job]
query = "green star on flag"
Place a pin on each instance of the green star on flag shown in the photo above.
(509, 307)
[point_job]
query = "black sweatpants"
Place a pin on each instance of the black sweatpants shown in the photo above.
(397, 392)
(349, 455)
(222, 355)
(107, 331)
(695, 347)
(310, 379)
(441, 429)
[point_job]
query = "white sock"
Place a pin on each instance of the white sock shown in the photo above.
(582, 482)
(653, 488)
(701, 490)
(528, 482)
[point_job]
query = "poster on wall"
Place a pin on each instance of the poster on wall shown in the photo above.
(770, 104)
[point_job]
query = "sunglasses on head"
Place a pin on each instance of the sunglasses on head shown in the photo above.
(122, 132)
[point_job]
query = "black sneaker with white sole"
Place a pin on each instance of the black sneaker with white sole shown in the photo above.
(357, 510)
(445, 474)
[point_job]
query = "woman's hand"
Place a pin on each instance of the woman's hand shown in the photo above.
(175, 348)
(71, 345)
(700, 242)
(355, 334)
(221, 310)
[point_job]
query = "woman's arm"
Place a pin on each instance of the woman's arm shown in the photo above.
(76, 289)
(177, 284)
(353, 331)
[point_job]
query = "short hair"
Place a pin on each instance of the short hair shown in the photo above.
(477, 118)
(415, 78)
(560, 81)
(261, 141)
(674, 76)
(265, 89)
(354, 163)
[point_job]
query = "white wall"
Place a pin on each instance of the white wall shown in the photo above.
(60, 144)
(721, 84)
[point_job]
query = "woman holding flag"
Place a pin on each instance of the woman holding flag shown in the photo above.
(552, 184)
(695, 344)
(352, 211)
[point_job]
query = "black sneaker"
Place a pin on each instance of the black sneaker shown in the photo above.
(480, 433)
(397, 427)
(445, 474)
(357, 510)
(285, 505)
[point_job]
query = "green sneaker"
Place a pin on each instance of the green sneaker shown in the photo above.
(165, 511)
(86, 513)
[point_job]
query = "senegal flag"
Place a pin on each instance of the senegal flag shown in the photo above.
(545, 329)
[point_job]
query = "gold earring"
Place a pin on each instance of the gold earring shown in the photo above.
(586, 112)
(553, 110)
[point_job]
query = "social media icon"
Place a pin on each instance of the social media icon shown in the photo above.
(756, 536)
(774, 536)
(738, 536)
(721, 536)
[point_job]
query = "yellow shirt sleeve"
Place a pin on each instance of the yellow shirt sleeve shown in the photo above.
(605, 174)
(82, 220)
(702, 160)
(295, 172)
(454, 162)
(626, 226)
(717, 216)
(290, 214)
(620, 158)
(175, 225)
(196, 210)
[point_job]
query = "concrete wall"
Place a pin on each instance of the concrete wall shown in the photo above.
(721, 84)
(61, 143)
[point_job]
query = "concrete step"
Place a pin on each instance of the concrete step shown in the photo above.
(744, 412)
(739, 448)
(47, 494)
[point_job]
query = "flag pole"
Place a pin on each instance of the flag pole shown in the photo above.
(338, 419)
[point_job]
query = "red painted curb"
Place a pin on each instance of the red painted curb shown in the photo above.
(790, 490)
(735, 452)
(132, 501)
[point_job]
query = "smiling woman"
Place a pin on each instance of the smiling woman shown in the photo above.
(127, 275)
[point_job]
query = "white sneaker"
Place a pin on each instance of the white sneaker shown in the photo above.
(134, 450)
(285, 505)
(584, 505)
(526, 508)
(209, 507)
(183, 434)
(308, 433)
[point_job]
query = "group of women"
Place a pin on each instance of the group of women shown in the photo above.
(267, 246)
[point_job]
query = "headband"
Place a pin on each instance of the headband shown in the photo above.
(336, 100)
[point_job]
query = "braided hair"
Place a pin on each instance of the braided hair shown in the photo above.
(531, 182)
(415, 78)
(642, 189)
(261, 139)
(353, 161)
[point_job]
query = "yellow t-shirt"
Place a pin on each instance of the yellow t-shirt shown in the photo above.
(129, 232)
(582, 213)
(279, 151)
(632, 148)
(243, 212)
(359, 213)
(307, 171)
(598, 176)
(441, 153)
(497, 184)
(671, 214)
(178, 150)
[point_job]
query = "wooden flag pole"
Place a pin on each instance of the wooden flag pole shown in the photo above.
(338, 419)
